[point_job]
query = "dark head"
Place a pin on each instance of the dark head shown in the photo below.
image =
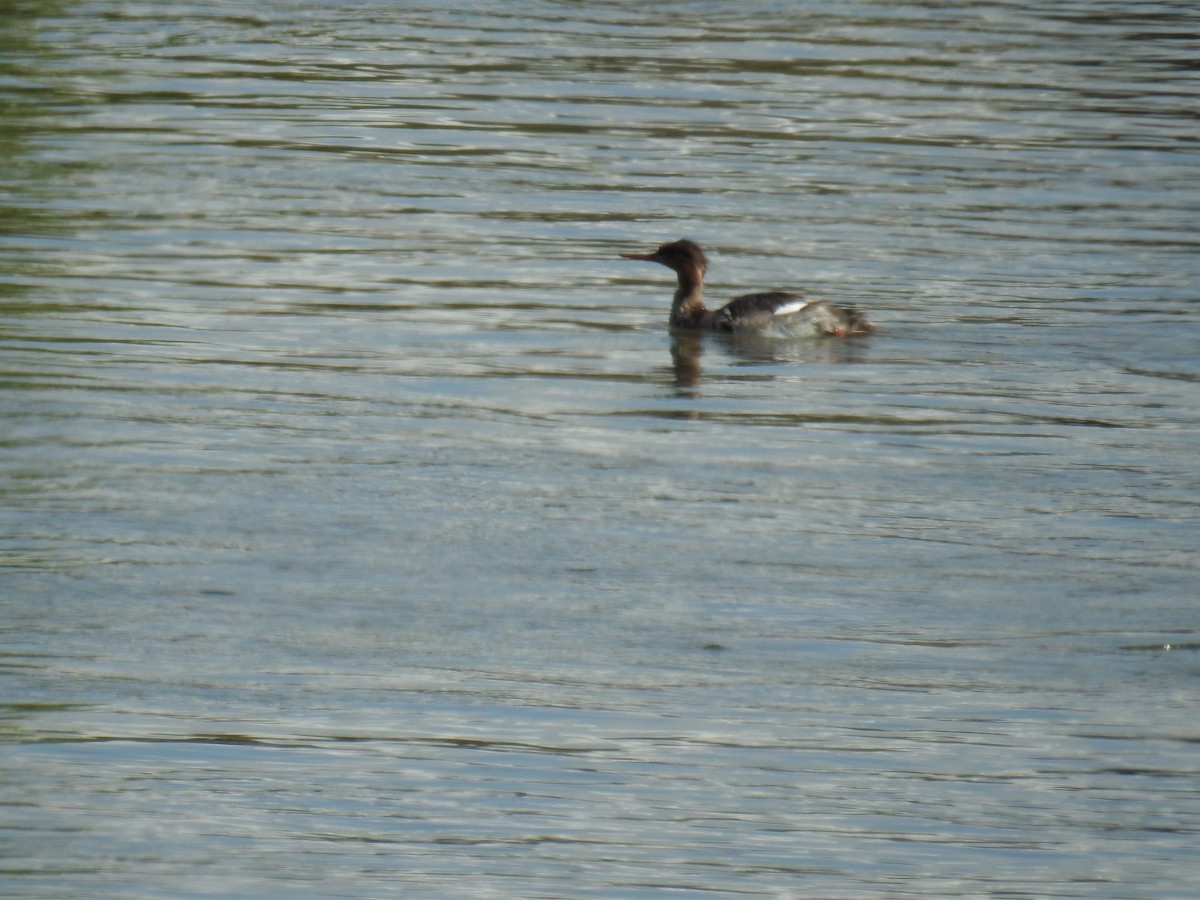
(683, 256)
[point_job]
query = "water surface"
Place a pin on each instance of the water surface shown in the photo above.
(365, 533)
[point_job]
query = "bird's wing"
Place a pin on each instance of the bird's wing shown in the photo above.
(753, 310)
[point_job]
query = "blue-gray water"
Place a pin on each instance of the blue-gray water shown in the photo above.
(365, 534)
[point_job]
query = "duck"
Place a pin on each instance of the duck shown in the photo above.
(772, 313)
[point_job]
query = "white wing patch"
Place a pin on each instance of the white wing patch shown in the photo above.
(792, 306)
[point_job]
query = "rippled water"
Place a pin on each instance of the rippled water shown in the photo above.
(365, 532)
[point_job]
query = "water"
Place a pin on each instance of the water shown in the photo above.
(365, 533)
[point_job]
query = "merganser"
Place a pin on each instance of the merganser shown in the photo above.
(773, 312)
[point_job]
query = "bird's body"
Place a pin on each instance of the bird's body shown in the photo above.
(773, 312)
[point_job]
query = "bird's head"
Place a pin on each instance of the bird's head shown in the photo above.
(681, 256)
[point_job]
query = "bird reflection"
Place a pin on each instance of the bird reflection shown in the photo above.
(688, 348)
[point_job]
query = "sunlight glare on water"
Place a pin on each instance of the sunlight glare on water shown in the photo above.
(366, 532)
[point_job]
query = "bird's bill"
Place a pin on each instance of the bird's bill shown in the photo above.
(644, 257)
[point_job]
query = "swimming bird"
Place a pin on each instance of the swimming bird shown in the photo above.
(771, 313)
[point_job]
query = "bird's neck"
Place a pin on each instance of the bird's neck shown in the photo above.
(687, 310)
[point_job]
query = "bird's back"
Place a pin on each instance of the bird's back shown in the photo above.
(787, 312)
(754, 311)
